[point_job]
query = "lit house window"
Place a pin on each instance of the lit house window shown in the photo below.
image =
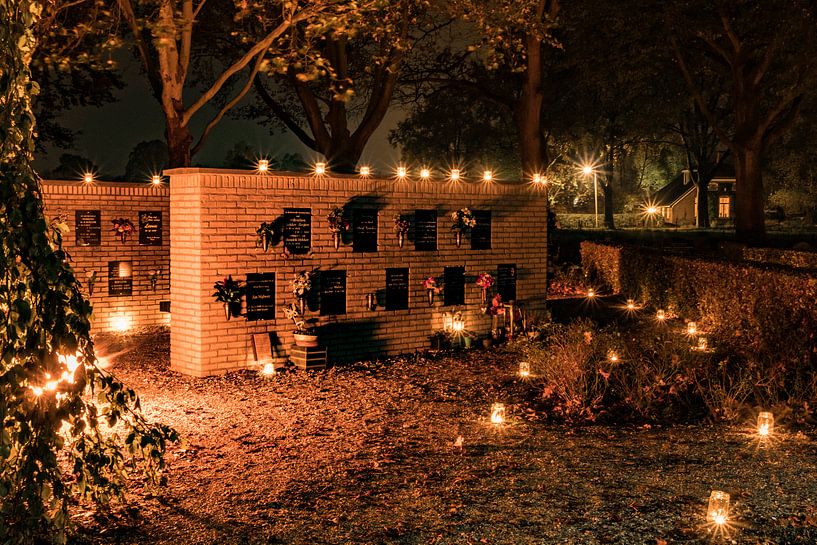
(724, 204)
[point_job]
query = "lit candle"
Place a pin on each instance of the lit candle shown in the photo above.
(692, 328)
(497, 413)
(613, 357)
(455, 174)
(660, 315)
(320, 169)
(591, 293)
(538, 178)
(268, 369)
(88, 177)
(765, 423)
(156, 179)
(487, 176)
(458, 324)
(365, 171)
(524, 369)
(401, 172)
(718, 510)
(425, 173)
(263, 165)
(630, 304)
(703, 344)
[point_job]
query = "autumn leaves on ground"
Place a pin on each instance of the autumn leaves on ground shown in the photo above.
(365, 454)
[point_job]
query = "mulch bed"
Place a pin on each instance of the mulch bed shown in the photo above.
(364, 454)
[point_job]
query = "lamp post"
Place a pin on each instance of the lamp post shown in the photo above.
(588, 170)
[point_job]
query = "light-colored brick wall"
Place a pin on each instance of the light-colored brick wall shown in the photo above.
(116, 200)
(216, 213)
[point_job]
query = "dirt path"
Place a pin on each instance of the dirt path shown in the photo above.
(363, 454)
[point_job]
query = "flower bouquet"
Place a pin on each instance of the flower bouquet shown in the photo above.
(401, 227)
(462, 220)
(432, 288)
(300, 287)
(229, 292)
(338, 224)
(485, 281)
(123, 228)
(266, 234)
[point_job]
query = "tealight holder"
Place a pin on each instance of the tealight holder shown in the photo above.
(765, 423)
(497, 413)
(718, 510)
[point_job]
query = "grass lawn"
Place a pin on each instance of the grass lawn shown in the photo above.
(364, 454)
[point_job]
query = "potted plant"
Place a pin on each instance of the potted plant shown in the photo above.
(484, 281)
(304, 335)
(337, 224)
(123, 228)
(431, 287)
(401, 228)
(300, 286)
(462, 220)
(266, 234)
(229, 292)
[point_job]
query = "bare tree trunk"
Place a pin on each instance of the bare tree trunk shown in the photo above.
(703, 203)
(179, 142)
(607, 192)
(528, 113)
(749, 202)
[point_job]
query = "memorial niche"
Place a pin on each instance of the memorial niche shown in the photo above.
(364, 230)
(425, 230)
(150, 228)
(453, 286)
(332, 292)
(120, 278)
(88, 227)
(297, 230)
(481, 232)
(260, 296)
(397, 288)
(506, 281)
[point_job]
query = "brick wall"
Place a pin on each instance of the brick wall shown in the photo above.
(116, 200)
(212, 235)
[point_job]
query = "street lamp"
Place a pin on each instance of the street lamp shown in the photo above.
(588, 170)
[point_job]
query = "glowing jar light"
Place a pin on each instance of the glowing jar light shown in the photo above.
(703, 344)
(630, 304)
(497, 413)
(692, 328)
(487, 176)
(718, 510)
(156, 179)
(425, 173)
(765, 424)
(613, 357)
(524, 369)
(455, 174)
(320, 169)
(458, 324)
(88, 177)
(402, 172)
(365, 171)
(263, 166)
(660, 315)
(591, 293)
(268, 370)
(537, 178)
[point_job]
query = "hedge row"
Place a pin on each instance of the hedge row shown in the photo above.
(763, 312)
(789, 258)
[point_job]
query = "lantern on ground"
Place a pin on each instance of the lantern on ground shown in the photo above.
(591, 293)
(630, 304)
(613, 357)
(320, 169)
(660, 315)
(692, 328)
(524, 369)
(703, 344)
(765, 424)
(497, 413)
(718, 510)
(458, 323)
(268, 369)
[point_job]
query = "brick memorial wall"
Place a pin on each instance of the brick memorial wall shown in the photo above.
(132, 278)
(212, 235)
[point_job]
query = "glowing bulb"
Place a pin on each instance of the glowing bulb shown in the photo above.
(487, 176)
(365, 171)
(320, 169)
(765, 423)
(268, 369)
(156, 179)
(524, 369)
(497, 413)
(263, 165)
(591, 293)
(455, 174)
(587, 170)
(692, 328)
(425, 173)
(88, 177)
(401, 172)
(718, 510)
(660, 315)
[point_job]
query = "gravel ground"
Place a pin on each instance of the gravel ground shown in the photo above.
(364, 454)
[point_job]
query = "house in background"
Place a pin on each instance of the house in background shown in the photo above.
(678, 200)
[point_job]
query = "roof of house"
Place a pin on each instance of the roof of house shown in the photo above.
(725, 171)
(673, 191)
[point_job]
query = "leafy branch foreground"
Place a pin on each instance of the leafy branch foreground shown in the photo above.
(71, 432)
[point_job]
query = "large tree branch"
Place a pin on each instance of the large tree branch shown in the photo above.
(142, 47)
(312, 111)
(229, 105)
(283, 115)
(186, 39)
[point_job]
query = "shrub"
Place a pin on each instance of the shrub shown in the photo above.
(788, 258)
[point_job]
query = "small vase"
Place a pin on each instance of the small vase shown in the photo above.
(123, 237)
(401, 237)
(430, 294)
(371, 301)
(302, 305)
(228, 313)
(265, 242)
(458, 238)
(90, 288)
(336, 239)
(484, 296)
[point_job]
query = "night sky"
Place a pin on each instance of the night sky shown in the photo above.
(108, 134)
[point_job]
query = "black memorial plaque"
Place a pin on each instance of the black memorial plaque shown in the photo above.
(506, 281)
(298, 230)
(150, 228)
(333, 292)
(261, 296)
(88, 228)
(397, 288)
(454, 286)
(425, 230)
(120, 278)
(481, 232)
(364, 230)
